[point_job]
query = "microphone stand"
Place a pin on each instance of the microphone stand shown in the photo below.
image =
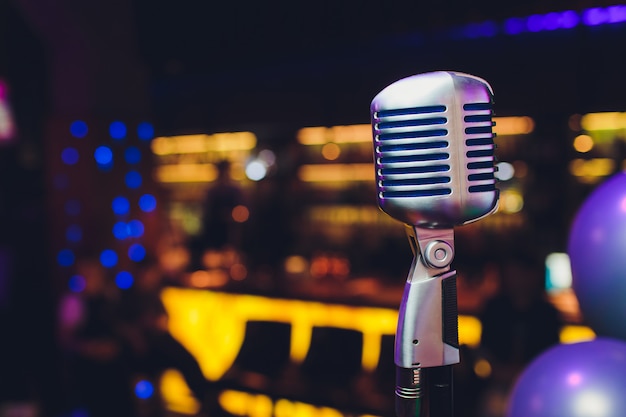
(426, 344)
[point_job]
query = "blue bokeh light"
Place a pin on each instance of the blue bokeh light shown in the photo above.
(132, 154)
(133, 179)
(124, 280)
(78, 129)
(117, 130)
(595, 16)
(65, 257)
(103, 155)
(144, 389)
(76, 283)
(120, 230)
(147, 203)
(535, 23)
(108, 258)
(123, 230)
(136, 252)
(120, 205)
(135, 228)
(617, 13)
(145, 131)
(74, 233)
(569, 19)
(69, 156)
(72, 207)
(514, 25)
(552, 21)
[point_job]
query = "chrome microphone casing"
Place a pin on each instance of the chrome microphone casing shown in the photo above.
(435, 169)
(422, 178)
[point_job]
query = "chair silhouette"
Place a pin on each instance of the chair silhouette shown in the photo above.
(265, 349)
(334, 355)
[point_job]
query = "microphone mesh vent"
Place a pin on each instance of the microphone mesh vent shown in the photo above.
(479, 136)
(411, 152)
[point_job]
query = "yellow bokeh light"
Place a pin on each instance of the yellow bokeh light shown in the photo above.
(185, 173)
(331, 151)
(515, 125)
(338, 134)
(296, 264)
(482, 368)
(603, 121)
(583, 143)
(200, 143)
(336, 172)
(592, 168)
(511, 201)
(176, 393)
(208, 279)
(575, 333)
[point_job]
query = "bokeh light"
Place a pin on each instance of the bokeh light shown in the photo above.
(331, 151)
(78, 129)
(136, 252)
(135, 228)
(103, 155)
(120, 231)
(76, 283)
(147, 203)
(108, 258)
(133, 179)
(120, 205)
(514, 25)
(69, 156)
(144, 389)
(65, 257)
(256, 170)
(505, 171)
(583, 143)
(117, 130)
(124, 280)
(145, 131)
(132, 155)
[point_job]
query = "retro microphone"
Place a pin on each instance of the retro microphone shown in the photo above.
(434, 162)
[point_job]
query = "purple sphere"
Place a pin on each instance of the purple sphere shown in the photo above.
(586, 379)
(597, 250)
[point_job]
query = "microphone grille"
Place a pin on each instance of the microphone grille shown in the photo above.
(478, 118)
(411, 148)
(434, 149)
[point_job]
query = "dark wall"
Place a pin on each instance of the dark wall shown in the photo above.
(548, 73)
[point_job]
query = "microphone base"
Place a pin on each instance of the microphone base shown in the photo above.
(408, 392)
(424, 392)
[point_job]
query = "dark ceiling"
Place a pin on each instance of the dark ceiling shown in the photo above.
(213, 64)
(200, 37)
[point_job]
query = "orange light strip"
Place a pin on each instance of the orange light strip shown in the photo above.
(336, 172)
(603, 121)
(337, 134)
(218, 142)
(515, 125)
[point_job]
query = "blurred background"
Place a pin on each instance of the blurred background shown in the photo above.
(188, 218)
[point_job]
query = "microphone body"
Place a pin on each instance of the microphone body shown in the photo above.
(434, 163)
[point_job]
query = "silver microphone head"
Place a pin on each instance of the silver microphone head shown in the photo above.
(434, 149)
